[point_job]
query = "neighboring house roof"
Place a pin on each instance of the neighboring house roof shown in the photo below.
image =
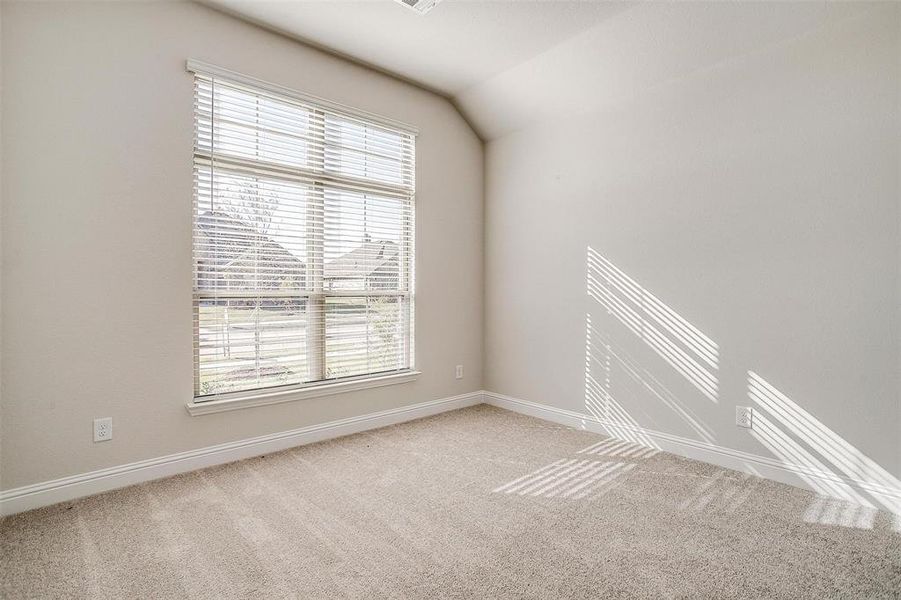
(232, 245)
(232, 241)
(362, 262)
(234, 255)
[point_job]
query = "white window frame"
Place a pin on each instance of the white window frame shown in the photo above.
(200, 405)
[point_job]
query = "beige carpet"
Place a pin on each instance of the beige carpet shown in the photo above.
(477, 503)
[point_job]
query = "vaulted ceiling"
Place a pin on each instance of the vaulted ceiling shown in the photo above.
(508, 63)
(456, 45)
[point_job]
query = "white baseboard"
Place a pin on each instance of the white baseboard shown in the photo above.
(68, 488)
(887, 498)
(77, 486)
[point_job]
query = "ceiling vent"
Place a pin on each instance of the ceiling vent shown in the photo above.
(420, 6)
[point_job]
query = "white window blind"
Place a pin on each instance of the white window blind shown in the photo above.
(303, 240)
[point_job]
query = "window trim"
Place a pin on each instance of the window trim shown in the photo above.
(237, 400)
(300, 391)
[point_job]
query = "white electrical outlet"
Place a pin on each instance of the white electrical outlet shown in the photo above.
(459, 372)
(744, 417)
(103, 429)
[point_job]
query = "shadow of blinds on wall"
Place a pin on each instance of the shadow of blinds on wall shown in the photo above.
(303, 230)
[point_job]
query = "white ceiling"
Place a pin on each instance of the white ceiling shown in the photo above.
(457, 45)
(508, 63)
(619, 60)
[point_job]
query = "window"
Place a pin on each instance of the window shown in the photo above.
(303, 240)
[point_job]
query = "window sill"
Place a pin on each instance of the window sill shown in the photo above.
(312, 391)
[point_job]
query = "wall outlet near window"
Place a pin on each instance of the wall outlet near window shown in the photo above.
(103, 429)
(458, 373)
(744, 417)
